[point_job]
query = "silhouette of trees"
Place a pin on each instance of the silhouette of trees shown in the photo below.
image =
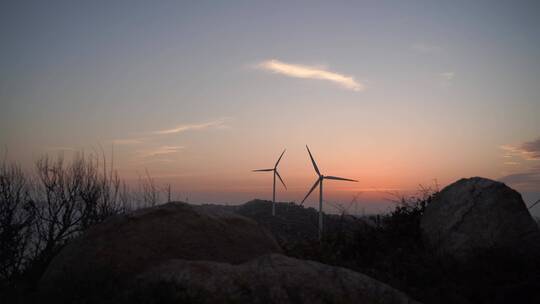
(16, 218)
(70, 197)
(41, 210)
(148, 192)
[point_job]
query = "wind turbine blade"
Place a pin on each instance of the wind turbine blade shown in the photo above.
(340, 178)
(280, 179)
(277, 163)
(263, 170)
(312, 188)
(313, 162)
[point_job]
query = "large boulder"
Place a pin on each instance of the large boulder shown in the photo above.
(108, 256)
(268, 279)
(476, 215)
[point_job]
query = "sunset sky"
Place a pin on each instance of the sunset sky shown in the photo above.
(391, 93)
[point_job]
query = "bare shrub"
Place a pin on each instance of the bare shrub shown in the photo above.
(42, 210)
(147, 193)
(16, 218)
(102, 192)
(70, 197)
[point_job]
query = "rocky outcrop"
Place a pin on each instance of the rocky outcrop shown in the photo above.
(108, 256)
(475, 215)
(268, 279)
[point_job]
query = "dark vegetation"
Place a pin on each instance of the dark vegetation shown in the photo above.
(43, 210)
(391, 249)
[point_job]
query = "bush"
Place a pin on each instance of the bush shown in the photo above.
(16, 218)
(42, 211)
(391, 249)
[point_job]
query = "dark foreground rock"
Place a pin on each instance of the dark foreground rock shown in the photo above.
(108, 256)
(268, 279)
(476, 215)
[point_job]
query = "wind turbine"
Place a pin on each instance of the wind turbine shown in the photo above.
(319, 182)
(276, 173)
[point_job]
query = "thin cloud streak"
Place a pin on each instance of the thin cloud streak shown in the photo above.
(529, 150)
(529, 154)
(220, 123)
(308, 72)
(447, 78)
(159, 151)
(128, 141)
(527, 180)
(425, 48)
(448, 75)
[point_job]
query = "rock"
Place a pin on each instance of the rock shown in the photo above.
(107, 256)
(269, 279)
(475, 215)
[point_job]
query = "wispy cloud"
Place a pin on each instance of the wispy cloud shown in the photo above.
(128, 141)
(527, 180)
(510, 151)
(448, 75)
(527, 156)
(219, 123)
(310, 72)
(155, 146)
(160, 151)
(425, 48)
(529, 150)
(447, 78)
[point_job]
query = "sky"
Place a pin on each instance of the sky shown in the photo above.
(392, 93)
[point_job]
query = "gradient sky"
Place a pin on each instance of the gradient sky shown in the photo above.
(392, 93)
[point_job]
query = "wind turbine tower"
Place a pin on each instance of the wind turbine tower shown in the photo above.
(276, 173)
(319, 182)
